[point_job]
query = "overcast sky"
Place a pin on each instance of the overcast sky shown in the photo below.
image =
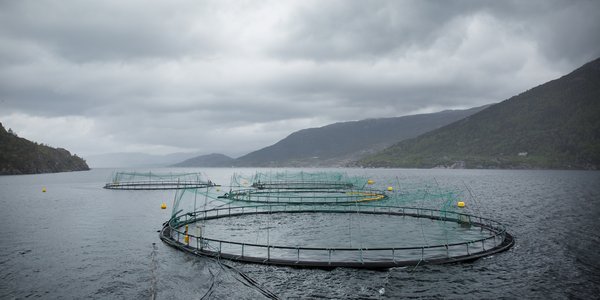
(235, 76)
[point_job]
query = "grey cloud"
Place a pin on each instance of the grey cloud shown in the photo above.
(347, 30)
(220, 76)
(83, 31)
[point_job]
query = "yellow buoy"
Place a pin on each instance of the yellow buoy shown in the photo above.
(163, 206)
(186, 239)
(390, 188)
(43, 190)
(460, 204)
(370, 181)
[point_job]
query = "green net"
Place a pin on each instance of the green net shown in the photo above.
(334, 188)
(298, 180)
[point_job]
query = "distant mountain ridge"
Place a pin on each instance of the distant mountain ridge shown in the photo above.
(554, 125)
(209, 160)
(340, 143)
(21, 156)
(132, 159)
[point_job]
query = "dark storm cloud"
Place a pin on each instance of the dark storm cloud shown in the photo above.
(366, 29)
(84, 31)
(370, 29)
(231, 76)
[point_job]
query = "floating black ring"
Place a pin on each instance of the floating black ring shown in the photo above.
(498, 240)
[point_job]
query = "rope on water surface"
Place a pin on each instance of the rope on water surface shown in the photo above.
(249, 281)
(210, 290)
(477, 206)
(422, 230)
(153, 272)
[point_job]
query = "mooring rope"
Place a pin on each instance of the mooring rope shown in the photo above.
(477, 207)
(422, 230)
(445, 207)
(248, 281)
(211, 289)
(153, 281)
(359, 227)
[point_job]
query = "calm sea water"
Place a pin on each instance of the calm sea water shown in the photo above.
(79, 240)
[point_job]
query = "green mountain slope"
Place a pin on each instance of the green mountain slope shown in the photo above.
(20, 156)
(340, 143)
(555, 125)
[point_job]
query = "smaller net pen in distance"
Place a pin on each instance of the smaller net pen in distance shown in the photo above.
(157, 181)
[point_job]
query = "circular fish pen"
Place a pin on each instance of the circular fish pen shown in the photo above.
(301, 185)
(157, 181)
(304, 196)
(298, 180)
(301, 188)
(329, 236)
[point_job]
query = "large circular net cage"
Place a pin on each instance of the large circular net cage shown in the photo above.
(157, 181)
(328, 236)
(412, 224)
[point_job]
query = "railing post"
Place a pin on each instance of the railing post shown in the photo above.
(298, 257)
(329, 257)
(220, 245)
(483, 244)
(242, 250)
(447, 251)
(268, 253)
(422, 253)
(468, 249)
(394, 255)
